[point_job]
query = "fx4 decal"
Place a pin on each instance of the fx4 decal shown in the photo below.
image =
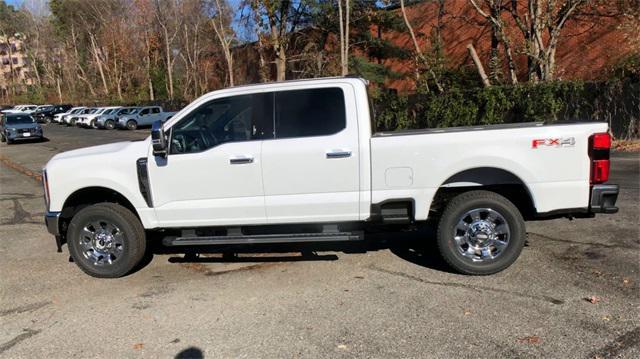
(553, 142)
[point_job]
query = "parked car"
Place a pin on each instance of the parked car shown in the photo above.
(46, 114)
(108, 121)
(144, 117)
(91, 121)
(86, 120)
(298, 161)
(72, 119)
(21, 108)
(19, 126)
(60, 118)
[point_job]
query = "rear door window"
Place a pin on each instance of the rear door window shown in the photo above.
(311, 112)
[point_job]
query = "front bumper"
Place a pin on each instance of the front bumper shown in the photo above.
(52, 220)
(603, 198)
(15, 136)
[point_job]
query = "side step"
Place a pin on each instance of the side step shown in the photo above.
(264, 238)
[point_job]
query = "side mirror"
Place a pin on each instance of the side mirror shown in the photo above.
(158, 139)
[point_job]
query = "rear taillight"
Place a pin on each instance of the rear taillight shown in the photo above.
(599, 148)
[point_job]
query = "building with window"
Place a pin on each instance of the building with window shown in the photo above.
(14, 65)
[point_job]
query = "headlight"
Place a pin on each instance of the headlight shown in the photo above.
(11, 129)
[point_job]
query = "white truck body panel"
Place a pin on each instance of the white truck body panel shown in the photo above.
(556, 177)
(291, 180)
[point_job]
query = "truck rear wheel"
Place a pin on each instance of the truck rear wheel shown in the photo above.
(480, 233)
(106, 240)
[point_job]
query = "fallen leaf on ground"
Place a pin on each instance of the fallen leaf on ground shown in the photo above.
(592, 299)
(467, 312)
(533, 339)
(138, 346)
(342, 346)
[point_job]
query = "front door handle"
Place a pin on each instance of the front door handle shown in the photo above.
(338, 154)
(239, 160)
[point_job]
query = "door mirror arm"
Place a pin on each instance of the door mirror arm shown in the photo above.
(158, 139)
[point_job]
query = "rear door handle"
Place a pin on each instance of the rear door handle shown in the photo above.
(239, 160)
(338, 154)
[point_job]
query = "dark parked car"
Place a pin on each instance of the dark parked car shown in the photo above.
(19, 126)
(45, 113)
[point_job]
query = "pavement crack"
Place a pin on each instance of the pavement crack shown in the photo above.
(477, 288)
(592, 244)
(24, 308)
(20, 216)
(617, 346)
(26, 334)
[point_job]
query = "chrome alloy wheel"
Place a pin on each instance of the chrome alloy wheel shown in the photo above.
(482, 234)
(102, 243)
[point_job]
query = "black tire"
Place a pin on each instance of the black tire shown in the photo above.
(133, 241)
(109, 124)
(93, 124)
(132, 125)
(456, 211)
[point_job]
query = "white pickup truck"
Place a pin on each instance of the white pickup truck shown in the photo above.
(298, 162)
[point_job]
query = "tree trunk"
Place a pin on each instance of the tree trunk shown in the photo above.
(478, 63)
(59, 89)
(345, 68)
(341, 24)
(99, 64)
(419, 53)
(169, 63)
(82, 76)
(224, 42)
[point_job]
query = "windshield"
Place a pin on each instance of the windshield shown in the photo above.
(19, 120)
(76, 110)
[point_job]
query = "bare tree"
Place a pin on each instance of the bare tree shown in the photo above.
(281, 19)
(422, 60)
(221, 23)
(170, 25)
(541, 23)
(344, 36)
(498, 35)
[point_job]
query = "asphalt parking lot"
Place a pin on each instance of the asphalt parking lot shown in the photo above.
(574, 292)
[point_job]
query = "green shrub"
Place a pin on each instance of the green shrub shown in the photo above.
(616, 102)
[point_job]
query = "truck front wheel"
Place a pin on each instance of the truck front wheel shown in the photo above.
(106, 240)
(480, 233)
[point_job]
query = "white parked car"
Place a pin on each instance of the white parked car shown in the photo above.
(90, 120)
(71, 120)
(21, 108)
(59, 118)
(298, 161)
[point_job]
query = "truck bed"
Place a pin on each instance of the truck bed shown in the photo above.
(416, 163)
